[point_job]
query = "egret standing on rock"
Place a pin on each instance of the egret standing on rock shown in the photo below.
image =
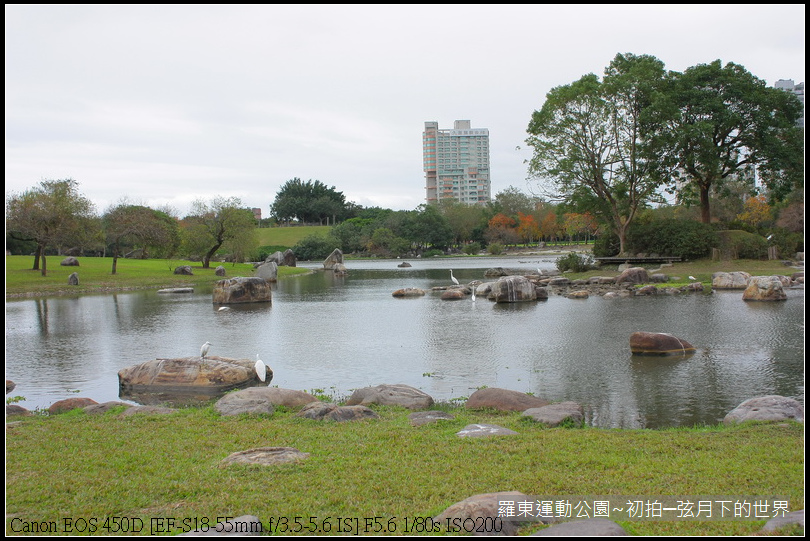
(261, 369)
(204, 350)
(453, 278)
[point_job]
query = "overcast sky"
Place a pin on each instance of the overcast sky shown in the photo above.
(168, 104)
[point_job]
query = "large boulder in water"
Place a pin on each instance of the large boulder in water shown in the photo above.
(730, 280)
(242, 290)
(513, 289)
(658, 343)
(764, 288)
(335, 258)
(187, 380)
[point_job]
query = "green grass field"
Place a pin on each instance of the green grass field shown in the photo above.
(288, 236)
(95, 275)
(155, 466)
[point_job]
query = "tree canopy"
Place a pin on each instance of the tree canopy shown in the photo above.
(54, 214)
(310, 202)
(138, 224)
(589, 144)
(720, 123)
(222, 222)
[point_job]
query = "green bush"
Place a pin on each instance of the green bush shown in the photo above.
(736, 244)
(495, 248)
(686, 239)
(607, 245)
(575, 263)
(787, 243)
(314, 247)
(472, 249)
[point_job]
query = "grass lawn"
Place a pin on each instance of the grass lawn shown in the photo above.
(156, 466)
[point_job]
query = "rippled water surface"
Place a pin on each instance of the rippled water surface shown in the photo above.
(336, 334)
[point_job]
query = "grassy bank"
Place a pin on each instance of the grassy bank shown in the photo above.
(148, 466)
(95, 275)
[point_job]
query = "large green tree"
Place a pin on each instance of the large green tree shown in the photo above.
(310, 202)
(589, 141)
(125, 222)
(223, 222)
(723, 123)
(53, 214)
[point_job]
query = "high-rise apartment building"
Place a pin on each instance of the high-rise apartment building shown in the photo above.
(456, 163)
(797, 89)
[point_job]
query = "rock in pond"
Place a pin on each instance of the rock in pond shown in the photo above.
(187, 380)
(659, 343)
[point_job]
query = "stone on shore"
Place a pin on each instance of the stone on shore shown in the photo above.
(589, 527)
(479, 508)
(323, 411)
(391, 395)
(503, 399)
(556, 414)
(68, 404)
(766, 408)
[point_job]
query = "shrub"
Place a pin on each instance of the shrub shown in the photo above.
(607, 245)
(472, 249)
(738, 244)
(314, 247)
(495, 248)
(686, 239)
(575, 263)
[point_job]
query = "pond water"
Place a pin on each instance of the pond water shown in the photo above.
(334, 334)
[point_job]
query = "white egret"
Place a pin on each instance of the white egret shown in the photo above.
(261, 369)
(693, 278)
(204, 349)
(453, 278)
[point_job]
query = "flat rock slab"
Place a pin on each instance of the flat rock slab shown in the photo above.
(409, 292)
(789, 520)
(584, 528)
(484, 431)
(266, 456)
(391, 395)
(478, 507)
(420, 418)
(555, 414)
(504, 400)
(104, 407)
(323, 411)
(151, 410)
(766, 408)
(176, 290)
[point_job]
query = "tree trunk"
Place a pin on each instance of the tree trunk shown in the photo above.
(705, 211)
(44, 264)
(37, 255)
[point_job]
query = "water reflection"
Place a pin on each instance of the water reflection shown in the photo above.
(339, 333)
